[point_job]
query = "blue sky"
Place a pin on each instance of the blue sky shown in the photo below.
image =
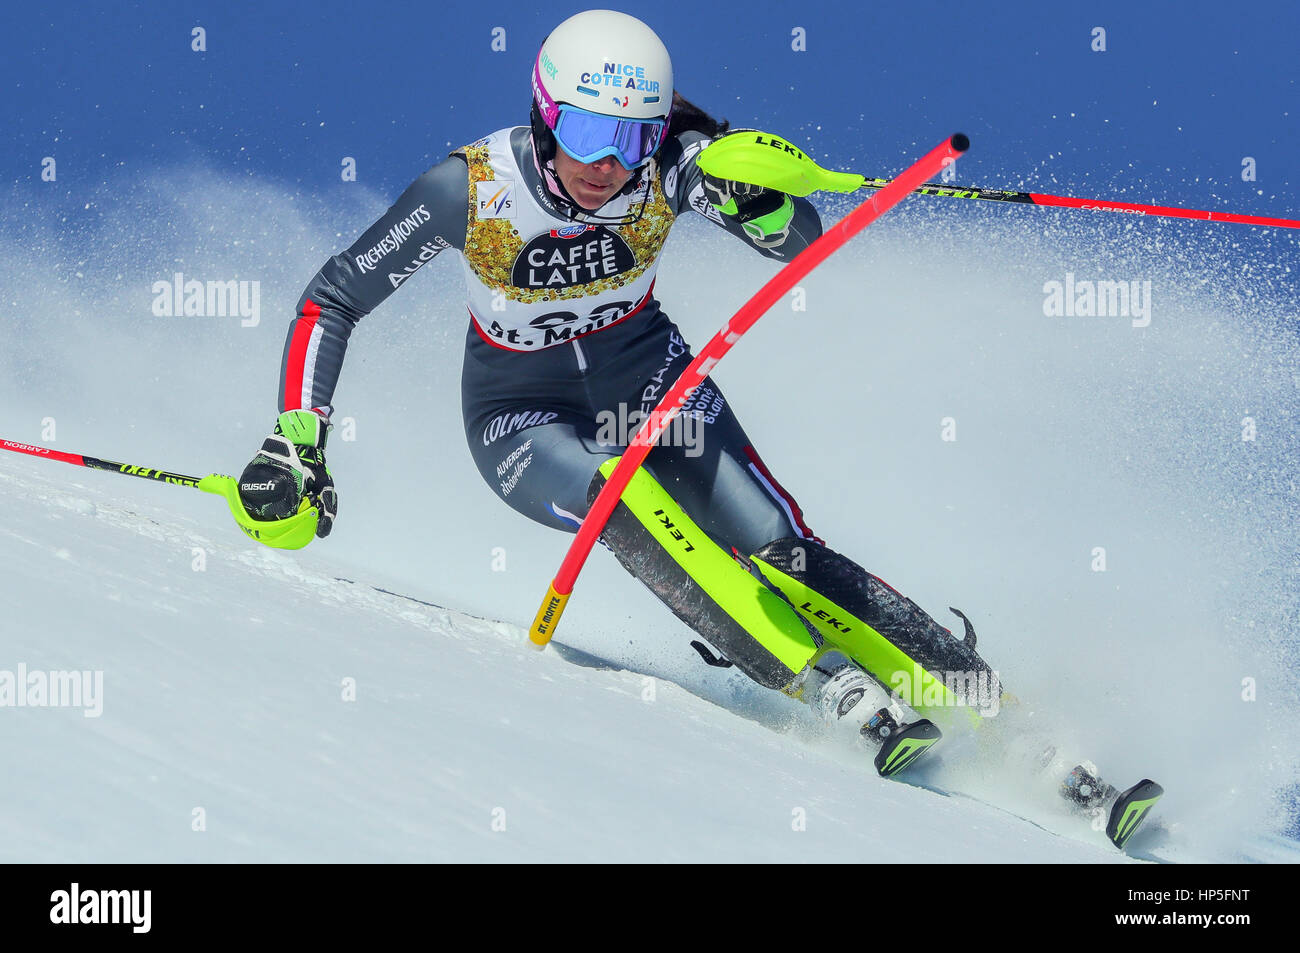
(1167, 113)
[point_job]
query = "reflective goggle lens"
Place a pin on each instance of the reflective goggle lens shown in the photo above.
(588, 136)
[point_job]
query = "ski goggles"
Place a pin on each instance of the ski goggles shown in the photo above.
(588, 136)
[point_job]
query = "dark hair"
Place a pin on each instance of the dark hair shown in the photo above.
(688, 117)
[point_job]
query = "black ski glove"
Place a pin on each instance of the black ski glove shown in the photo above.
(764, 213)
(740, 200)
(291, 468)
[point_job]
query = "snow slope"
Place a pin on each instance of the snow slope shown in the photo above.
(223, 691)
(223, 688)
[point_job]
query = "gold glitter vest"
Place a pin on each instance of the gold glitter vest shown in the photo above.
(535, 279)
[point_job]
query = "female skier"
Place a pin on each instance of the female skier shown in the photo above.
(560, 225)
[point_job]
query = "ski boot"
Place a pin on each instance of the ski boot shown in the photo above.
(899, 745)
(1124, 810)
(1082, 787)
(842, 692)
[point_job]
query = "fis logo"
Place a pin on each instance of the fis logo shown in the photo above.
(571, 231)
(496, 199)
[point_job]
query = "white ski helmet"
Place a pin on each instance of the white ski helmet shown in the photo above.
(596, 64)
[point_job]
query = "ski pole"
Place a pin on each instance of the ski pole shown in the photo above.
(293, 532)
(1093, 205)
(94, 463)
(552, 607)
(761, 158)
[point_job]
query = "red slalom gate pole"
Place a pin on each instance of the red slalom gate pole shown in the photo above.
(552, 607)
